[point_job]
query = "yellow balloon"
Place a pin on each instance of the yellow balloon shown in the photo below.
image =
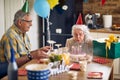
(53, 3)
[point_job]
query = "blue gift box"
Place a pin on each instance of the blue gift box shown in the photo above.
(99, 49)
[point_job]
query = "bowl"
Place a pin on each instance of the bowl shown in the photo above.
(38, 72)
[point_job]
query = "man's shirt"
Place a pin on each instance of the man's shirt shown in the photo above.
(20, 44)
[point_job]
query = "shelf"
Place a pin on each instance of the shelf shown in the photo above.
(56, 34)
(105, 30)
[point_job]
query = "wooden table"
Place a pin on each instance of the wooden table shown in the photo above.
(106, 69)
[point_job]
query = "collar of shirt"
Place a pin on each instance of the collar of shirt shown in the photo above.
(17, 29)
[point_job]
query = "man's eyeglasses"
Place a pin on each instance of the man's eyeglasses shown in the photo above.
(28, 21)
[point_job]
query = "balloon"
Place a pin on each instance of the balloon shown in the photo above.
(42, 8)
(53, 3)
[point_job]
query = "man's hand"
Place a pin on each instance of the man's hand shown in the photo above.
(40, 53)
(45, 48)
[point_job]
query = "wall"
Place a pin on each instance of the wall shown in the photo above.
(110, 7)
(34, 32)
(2, 23)
(8, 9)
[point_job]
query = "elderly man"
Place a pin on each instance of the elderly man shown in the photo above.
(20, 43)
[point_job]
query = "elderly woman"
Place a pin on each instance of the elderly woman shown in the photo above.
(81, 40)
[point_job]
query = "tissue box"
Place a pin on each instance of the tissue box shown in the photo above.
(100, 50)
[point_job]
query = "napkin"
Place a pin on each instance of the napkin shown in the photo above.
(94, 75)
(101, 60)
(22, 72)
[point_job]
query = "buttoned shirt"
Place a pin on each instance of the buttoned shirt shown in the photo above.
(20, 44)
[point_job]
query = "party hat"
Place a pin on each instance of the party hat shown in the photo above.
(79, 20)
(25, 7)
(103, 2)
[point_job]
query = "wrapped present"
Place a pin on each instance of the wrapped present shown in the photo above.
(107, 47)
(99, 49)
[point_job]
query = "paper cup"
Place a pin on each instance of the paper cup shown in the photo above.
(83, 65)
(107, 21)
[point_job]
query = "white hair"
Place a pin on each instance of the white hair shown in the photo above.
(85, 30)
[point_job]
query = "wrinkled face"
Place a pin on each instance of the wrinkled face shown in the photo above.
(25, 23)
(78, 35)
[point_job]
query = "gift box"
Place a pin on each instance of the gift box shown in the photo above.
(99, 49)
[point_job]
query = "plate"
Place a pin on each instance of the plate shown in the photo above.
(94, 75)
(116, 27)
(77, 58)
(75, 66)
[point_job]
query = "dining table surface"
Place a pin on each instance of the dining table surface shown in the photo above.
(106, 69)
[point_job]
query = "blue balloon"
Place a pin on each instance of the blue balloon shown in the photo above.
(42, 8)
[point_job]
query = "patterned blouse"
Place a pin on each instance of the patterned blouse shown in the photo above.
(85, 46)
